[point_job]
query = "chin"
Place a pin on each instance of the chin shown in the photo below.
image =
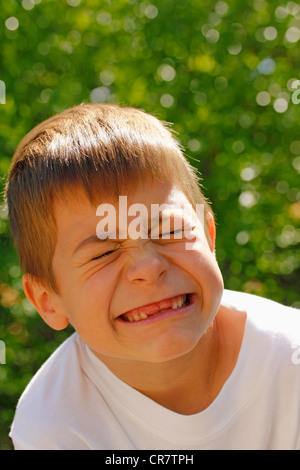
(174, 347)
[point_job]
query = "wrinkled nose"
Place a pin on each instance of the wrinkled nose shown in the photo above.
(146, 267)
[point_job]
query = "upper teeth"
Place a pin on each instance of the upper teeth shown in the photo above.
(177, 302)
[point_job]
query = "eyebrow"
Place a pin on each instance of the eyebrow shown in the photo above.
(93, 239)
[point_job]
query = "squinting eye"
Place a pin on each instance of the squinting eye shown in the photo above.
(170, 233)
(104, 254)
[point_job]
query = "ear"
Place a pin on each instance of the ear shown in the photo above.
(46, 302)
(211, 230)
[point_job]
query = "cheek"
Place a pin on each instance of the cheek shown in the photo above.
(200, 263)
(209, 277)
(97, 292)
(208, 268)
(197, 254)
(90, 312)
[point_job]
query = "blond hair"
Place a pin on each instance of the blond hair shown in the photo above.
(102, 148)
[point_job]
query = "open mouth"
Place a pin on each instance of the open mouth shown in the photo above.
(142, 313)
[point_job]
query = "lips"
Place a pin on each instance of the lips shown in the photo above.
(144, 312)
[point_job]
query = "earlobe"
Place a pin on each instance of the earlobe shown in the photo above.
(45, 302)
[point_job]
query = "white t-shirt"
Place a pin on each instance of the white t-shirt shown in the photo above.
(75, 402)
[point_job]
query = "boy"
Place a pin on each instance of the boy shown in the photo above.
(162, 356)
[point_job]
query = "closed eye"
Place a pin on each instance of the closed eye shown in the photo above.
(170, 233)
(104, 254)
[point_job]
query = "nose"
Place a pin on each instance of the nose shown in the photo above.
(146, 266)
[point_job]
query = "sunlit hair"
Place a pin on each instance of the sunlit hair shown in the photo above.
(101, 148)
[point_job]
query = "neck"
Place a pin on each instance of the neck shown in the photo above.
(190, 383)
(186, 384)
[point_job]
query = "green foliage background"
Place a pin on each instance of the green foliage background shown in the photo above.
(224, 73)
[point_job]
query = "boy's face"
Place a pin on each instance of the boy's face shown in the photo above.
(100, 281)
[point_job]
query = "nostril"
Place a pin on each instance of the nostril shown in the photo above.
(148, 268)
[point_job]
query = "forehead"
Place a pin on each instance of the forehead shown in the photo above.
(75, 213)
(145, 192)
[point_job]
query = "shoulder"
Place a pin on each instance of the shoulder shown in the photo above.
(46, 405)
(266, 380)
(265, 313)
(273, 325)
